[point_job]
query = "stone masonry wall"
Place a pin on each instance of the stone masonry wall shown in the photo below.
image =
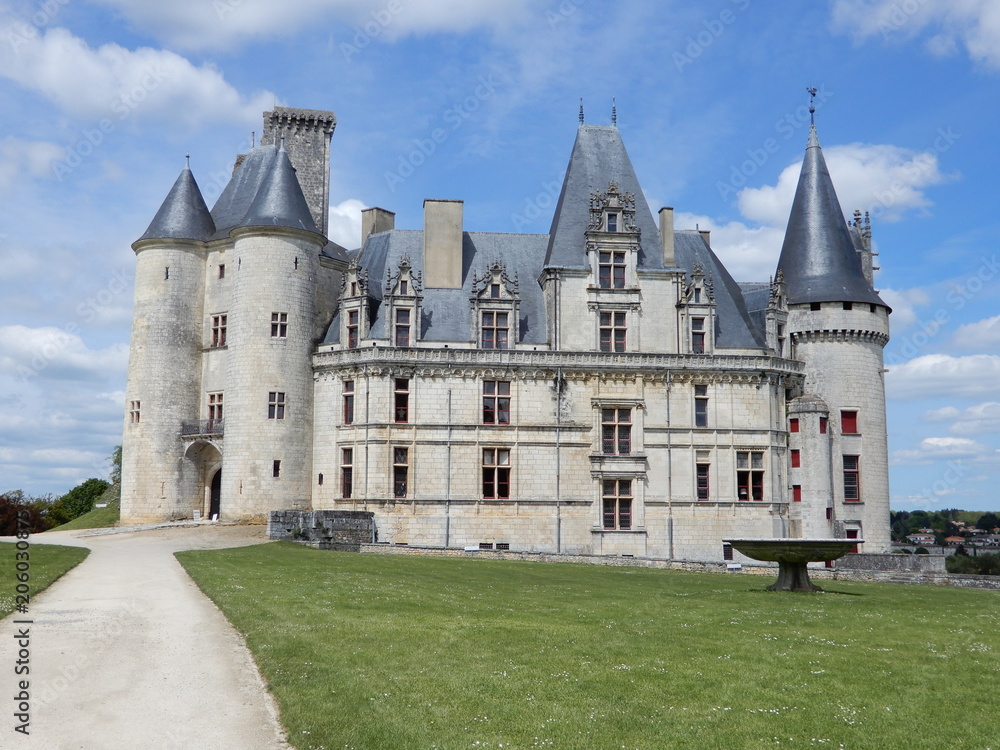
(325, 529)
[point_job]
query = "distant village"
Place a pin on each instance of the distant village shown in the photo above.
(945, 532)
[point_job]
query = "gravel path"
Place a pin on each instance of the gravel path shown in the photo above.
(127, 653)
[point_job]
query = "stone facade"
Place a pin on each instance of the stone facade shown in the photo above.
(606, 389)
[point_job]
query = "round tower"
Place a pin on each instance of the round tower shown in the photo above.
(164, 370)
(267, 462)
(838, 326)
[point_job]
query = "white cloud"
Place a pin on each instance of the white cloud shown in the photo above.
(345, 223)
(904, 303)
(887, 180)
(198, 24)
(54, 353)
(940, 374)
(979, 335)
(113, 83)
(20, 157)
(943, 448)
(981, 419)
(972, 24)
(749, 253)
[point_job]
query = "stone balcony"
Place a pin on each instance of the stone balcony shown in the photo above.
(202, 428)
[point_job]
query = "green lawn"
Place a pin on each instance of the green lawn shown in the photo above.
(96, 519)
(47, 564)
(385, 652)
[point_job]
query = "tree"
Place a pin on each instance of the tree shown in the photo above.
(115, 475)
(988, 522)
(14, 504)
(81, 498)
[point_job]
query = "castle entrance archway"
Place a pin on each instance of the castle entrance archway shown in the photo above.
(204, 459)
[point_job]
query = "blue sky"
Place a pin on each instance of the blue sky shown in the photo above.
(101, 100)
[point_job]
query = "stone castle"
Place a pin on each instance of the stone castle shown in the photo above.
(607, 388)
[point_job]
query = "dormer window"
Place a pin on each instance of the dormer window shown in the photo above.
(403, 286)
(697, 296)
(495, 330)
(697, 335)
(612, 222)
(494, 291)
(611, 270)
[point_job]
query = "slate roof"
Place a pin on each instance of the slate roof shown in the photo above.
(183, 213)
(279, 201)
(818, 258)
(446, 313)
(598, 157)
(734, 328)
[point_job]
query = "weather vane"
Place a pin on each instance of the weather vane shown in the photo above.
(812, 105)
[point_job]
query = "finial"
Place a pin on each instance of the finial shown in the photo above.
(581, 110)
(614, 112)
(812, 105)
(282, 147)
(187, 161)
(253, 139)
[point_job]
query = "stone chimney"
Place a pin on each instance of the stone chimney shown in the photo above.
(667, 236)
(443, 244)
(706, 234)
(376, 220)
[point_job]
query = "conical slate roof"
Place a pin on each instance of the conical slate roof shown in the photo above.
(598, 157)
(279, 201)
(818, 258)
(183, 214)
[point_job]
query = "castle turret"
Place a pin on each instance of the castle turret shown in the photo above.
(269, 384)
(164, 364)
(838, 326)
(306, 134)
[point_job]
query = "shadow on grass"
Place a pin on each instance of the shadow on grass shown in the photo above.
(803, 593)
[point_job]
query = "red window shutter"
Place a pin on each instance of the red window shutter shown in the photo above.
(849, 422)
(796, 460)
(797, 493)
(793, 425)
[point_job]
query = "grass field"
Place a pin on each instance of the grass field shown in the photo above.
(385, 652)
(96, 519)
(48, 562)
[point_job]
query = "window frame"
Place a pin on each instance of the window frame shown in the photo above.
(611, 269)
(401, 328)
(750, 476)
(276, 404)
(347, 389)
(401, 401)
(496, 402)
(494, 334)
(616, 505)
(703, 481)
(279, 325)
(220, 324)
(496, 471)
(616, 432)
(347, 473)
(701, 405)
(854, 475)
(400, 471)
(613, 331)
(353, 328)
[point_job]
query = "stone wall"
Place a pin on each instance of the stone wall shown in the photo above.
(324, 529)
(908, 563)
(770, 571)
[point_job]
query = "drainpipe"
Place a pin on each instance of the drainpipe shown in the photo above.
(670, 478)
(558, 459)
(447, 482)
